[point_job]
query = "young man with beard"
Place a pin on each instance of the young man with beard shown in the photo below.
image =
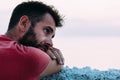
(26, 50)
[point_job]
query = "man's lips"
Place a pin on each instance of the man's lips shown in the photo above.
(44, 48)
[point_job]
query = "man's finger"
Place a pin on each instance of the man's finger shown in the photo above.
(62, 58)
(59, 56)
(50, 53)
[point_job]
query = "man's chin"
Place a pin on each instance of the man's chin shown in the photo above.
(43, 49)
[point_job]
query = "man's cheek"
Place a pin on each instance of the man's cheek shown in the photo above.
(41, 39)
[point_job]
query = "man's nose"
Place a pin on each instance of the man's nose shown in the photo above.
(49, 42)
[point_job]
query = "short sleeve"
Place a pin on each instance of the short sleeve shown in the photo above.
(36, 62)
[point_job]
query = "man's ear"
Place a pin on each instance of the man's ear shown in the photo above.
(24, 23)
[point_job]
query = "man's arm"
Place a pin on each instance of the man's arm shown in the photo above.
(52, 68)
(55, 64)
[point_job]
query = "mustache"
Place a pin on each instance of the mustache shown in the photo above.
(43, 46)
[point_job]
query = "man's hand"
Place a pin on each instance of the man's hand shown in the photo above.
(56, 54)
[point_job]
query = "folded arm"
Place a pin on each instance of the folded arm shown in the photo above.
(55, 64)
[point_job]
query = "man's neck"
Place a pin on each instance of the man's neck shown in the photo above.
(12, 35)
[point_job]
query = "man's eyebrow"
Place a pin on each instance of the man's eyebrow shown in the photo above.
(50, 28)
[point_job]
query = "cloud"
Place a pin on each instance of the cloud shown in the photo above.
(77, 32)
(85, 17)
(80, 27)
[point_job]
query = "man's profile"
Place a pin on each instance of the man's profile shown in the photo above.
(26, 50)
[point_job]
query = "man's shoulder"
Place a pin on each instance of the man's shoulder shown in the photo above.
(26, 60)
(29, 50)
(33, 53)
(10, 46)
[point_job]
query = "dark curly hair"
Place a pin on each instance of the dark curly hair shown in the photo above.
(35, 11)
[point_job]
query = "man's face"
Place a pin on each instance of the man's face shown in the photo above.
(40, 36)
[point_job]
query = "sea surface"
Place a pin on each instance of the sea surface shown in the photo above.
(101, 52)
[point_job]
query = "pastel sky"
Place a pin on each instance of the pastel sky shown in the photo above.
(91, 31)
(83, 17)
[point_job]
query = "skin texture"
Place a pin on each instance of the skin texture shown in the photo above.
(39, 36)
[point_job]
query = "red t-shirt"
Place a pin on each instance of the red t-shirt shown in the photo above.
(18, 62)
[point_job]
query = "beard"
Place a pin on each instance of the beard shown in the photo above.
(29, 39)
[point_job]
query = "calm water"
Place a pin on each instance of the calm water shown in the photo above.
(96, 52)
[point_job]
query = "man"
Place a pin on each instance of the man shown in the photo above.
(26, 50)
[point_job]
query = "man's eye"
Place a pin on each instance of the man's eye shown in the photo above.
(47, 31)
